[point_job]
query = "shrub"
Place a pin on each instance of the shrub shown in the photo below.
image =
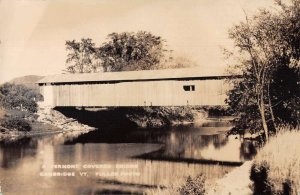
(194, 186)
(16, 123)
(259, 176)
(218, 111)
(19, 97)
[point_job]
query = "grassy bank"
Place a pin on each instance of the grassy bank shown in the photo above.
(16, 124)
(276, 168)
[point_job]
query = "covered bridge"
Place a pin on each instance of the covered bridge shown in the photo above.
(169, 87)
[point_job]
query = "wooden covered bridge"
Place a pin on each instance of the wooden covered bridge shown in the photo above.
(169, 87)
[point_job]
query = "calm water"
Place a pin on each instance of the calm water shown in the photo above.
(118, 161)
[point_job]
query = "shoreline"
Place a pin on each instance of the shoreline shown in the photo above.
(48, 122)
(52, 121)
(13, 135)
(229, 184)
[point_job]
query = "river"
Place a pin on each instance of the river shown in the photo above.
(120, 161)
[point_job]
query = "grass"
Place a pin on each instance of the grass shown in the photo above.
(279, 161)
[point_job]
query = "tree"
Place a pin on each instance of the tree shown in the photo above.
(131, 51)
(19, 97)
(81, 56)
(125, 51)
(287, 75)
(265, 49)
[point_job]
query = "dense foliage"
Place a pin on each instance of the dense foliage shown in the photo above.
(131, 51)
(81, 56)
(124, 51)
(268, 49)
(193, 186)
(19, 97)
(17, 123)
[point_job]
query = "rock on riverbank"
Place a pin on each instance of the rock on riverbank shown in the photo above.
(48, 121)
(49, 116)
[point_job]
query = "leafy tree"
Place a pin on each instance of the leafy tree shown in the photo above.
(125, 51)
(266, 52)
(131, 51)
(19, 97)
(81, 56)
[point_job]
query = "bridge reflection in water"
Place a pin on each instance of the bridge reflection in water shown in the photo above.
(161, 158)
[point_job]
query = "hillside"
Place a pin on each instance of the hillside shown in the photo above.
(29, 81)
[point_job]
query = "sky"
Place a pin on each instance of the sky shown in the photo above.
(33, 32)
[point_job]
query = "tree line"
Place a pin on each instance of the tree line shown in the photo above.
(124, 51)
(267, 55)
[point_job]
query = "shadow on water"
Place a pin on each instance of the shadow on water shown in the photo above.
(106, 118)
(248, 149)
(183, 143)
(160, 155)
(189, 149)
(12, 152)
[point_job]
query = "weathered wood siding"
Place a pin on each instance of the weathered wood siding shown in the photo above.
(141, 93)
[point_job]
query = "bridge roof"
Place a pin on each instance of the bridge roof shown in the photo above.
(165, 74)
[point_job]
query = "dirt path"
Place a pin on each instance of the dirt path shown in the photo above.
(234, 183)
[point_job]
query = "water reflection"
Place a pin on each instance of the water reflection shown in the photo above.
(12, 152)
(160, 156)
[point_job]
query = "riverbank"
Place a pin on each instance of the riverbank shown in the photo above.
(153, 117)
(47, 115)
(236, 182)
(163, 116)
(46, 121)
(275, 169)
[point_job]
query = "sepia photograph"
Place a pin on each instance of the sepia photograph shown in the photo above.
(149, 97)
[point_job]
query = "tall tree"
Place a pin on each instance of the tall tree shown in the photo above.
(265, 48)
(122, 52)
(131, 51)
(81, 56)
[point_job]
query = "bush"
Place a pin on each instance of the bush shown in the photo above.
(19, 97)
(194, 186)
(218, 111)
(259, 176)
(17, 123)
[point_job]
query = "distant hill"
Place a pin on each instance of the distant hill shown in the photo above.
(29, 81)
